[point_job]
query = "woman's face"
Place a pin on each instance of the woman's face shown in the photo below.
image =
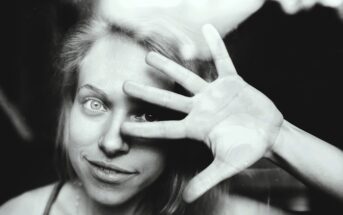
(112, 167)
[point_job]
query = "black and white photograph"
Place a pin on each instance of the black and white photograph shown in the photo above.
(171, 107)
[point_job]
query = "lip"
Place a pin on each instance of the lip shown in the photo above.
(109, 173)
(109, 166)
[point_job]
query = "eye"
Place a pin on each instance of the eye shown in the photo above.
(94, 105)
(149, 117)
(145, 117)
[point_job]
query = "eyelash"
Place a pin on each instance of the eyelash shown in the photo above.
(87, 104)
(143, 116)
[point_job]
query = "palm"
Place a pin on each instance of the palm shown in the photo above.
(237, 122)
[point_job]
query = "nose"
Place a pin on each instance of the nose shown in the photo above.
(112, 142)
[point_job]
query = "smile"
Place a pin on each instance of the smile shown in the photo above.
(109, 173)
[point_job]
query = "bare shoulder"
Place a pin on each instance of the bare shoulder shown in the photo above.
(30, 202)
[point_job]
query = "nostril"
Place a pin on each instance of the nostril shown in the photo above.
(113, 147)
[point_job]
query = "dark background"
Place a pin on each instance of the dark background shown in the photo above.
(295, 60)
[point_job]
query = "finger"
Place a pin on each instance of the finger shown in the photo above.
(162, 129)
(205, 180)
(159, 97)
(218, 51)
(181, 75)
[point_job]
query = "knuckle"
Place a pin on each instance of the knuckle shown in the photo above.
(166, 98)
(164, 129)
(189, 105)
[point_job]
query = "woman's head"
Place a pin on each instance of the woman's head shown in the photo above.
(96, 60)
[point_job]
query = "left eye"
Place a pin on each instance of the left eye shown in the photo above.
(94, 105)
(145, 117)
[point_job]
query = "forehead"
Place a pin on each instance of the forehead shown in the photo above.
(115, 59)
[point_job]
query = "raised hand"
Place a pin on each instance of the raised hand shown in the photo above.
(237, 122)
(179, 20)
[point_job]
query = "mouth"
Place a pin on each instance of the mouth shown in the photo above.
(109, 173)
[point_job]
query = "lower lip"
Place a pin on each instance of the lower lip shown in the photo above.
(109, 176)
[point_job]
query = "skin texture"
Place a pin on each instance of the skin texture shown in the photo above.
(94, 123)
(248, 125)
(236, 121)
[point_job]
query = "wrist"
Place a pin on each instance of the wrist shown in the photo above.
(277, 146)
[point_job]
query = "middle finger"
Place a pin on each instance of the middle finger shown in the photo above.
(181, 75)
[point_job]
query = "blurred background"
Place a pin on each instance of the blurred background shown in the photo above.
(297, 61)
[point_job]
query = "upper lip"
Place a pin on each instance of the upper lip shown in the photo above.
(111, 167)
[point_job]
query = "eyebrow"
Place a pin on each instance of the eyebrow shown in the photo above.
(103, 96)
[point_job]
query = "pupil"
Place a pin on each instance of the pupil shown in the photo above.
(95, 105)
(149, 117)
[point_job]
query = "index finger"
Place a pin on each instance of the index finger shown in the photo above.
(218, 51)
(159, 129)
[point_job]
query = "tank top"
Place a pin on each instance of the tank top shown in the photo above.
(52, 198)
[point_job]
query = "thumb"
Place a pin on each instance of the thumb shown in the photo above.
(205, 180)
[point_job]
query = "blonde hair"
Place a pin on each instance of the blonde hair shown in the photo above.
(166, 193)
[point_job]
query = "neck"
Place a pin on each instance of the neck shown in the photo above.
(89, 206)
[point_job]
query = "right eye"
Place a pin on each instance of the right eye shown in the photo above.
(94, 105)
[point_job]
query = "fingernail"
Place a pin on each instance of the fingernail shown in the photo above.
(186, 196)
(152, 57)
(155, 58)
(207, 28)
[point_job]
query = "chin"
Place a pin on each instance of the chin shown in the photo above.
(110, 195)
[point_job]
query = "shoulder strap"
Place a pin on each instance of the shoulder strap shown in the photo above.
(52, 197)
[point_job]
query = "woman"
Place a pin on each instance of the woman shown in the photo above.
(110, 154)
(284, 143)
(103, 170)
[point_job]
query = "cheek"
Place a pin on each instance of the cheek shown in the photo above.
(150, 161)
(82, 136)
(82, 131)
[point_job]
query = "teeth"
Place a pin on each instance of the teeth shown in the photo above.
(107, 171)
